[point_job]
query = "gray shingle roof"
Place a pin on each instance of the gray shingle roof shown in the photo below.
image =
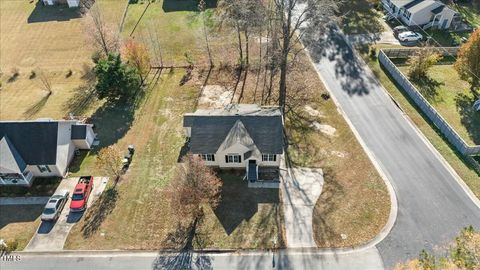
(208, 132)
(35, 141)
(10, 159)
(79, 132)
(438, 9)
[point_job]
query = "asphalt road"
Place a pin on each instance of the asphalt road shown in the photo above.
(367, 259)
(432, 206)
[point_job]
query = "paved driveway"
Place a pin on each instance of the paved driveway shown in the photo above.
(51, 236)
(432, 205)
(300, 189)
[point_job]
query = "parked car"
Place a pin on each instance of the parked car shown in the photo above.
(81, 193)
(400, 29)
(389, 18)
(55, 206)
(476, 105)
(410, 36)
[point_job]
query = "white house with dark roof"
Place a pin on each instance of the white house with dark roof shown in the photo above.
(423, 13)
(238, 136)
(41, 148)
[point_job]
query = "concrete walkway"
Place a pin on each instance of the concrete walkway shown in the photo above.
(300, 189)
(23, 200)
(51, 236)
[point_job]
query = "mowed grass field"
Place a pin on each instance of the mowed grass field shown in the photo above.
(49, 41)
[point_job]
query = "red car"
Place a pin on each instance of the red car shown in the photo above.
(81, 193)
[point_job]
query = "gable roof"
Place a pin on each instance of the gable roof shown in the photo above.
(35, 141)
(211, 130)
(238, 134)
(10, 159)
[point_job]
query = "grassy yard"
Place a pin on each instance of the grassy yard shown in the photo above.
(140, 217)
(451, 97)
(464, 170)
(19, 227)
(470, 12)
(359, 17)
(48, 40)
(181, 36)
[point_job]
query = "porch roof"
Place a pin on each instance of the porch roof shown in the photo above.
(10, 159)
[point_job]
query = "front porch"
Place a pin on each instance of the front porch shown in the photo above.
(262, 177)
(17, 179)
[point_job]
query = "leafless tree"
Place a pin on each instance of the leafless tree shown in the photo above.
(103, 36)
(298, 18)
(194, 187)
(201, 7)
(109, 161)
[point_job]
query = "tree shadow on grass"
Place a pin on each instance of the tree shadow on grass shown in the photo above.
(239, 203)
(112, 121)
(99, 211)
(469, 118)
(185, 5)
(185, 237)
(37, 107)
(81, 101)
(428, 87)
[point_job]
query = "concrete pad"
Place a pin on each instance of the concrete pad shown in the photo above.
(300, 189)
(51, 236)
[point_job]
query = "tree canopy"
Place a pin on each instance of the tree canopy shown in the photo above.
(468, 61)
(116, 80)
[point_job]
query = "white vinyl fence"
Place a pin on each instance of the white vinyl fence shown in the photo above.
(447, 131)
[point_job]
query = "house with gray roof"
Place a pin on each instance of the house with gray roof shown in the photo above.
(40, 148)
(423, 13)
(240, 136)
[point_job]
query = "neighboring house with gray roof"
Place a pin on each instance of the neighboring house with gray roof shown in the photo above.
(41, 148)
(70, 3)
(238, 136)
(423, 13)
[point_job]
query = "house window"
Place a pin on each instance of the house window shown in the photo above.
(233, 158)
(208, 157)
(269, 157)
(43, 168)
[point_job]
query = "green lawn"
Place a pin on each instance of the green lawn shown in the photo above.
(451, 97)
(455, 159)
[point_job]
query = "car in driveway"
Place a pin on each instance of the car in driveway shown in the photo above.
(397, 30)
(81, 193)
(54, 206)
(410, 36)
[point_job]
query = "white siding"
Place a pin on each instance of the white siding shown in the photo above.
(65, 146)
